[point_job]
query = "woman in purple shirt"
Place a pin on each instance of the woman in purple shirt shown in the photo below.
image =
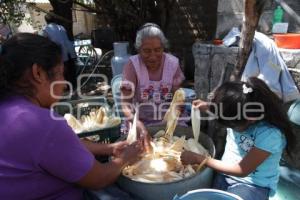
(40, 157)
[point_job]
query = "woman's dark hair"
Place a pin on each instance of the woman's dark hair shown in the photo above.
(17, 56)
(261, 104)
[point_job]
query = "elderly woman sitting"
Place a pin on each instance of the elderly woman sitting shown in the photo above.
(150, 77)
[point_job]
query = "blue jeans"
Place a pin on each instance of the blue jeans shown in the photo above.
(243, 190)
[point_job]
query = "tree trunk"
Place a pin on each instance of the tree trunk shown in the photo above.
(253, 11)
(64, 10)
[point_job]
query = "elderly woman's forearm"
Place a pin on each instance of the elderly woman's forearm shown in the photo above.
(127, 111)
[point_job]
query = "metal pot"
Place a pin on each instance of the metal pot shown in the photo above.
(166, 191)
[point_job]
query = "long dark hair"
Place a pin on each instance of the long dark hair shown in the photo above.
(18, 54)
(262, 104)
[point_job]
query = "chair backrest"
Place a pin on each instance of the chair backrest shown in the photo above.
(207, 194)
(116, 92)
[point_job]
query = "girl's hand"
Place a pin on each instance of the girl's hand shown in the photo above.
(131, 153)
(118, 147)
(188, 157)
(201, 105)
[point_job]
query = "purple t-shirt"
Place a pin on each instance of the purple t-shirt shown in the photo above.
(40, 158)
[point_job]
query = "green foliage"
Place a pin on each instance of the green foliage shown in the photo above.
(12, 11)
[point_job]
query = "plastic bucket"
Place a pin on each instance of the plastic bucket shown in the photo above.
(287, 41)
(208, 194)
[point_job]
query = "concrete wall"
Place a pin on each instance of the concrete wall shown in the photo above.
(230, 13)
(195, 20)
(210, 61)
(83, 22)
(191, 20)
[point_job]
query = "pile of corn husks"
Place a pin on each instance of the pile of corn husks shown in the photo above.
(163, 163)
(96, 119)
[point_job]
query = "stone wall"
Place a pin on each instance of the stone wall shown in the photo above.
(191, 21)
(211, 60)
(230, 14)
(292, 59)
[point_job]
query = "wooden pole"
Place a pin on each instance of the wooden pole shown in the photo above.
(253, 10)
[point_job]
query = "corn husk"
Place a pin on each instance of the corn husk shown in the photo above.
(196, 123)
(73, 123)
(159, 134)
(96, 119)
(195, 147)
(178, 144)
(167, 166)
(172, 114)
(132, 134)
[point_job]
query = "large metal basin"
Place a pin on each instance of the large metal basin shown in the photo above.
(166, 191)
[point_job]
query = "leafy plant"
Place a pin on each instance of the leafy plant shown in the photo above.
(12, 11)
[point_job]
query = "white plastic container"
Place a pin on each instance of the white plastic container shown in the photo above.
(120, 57)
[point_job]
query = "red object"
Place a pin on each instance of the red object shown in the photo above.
(217, 42)
(287, 41)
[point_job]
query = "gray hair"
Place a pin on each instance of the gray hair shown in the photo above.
(150, 30)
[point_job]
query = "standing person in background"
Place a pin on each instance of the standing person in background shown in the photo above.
(58, 34)
(257, 134)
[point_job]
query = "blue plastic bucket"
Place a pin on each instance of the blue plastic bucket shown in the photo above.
(208, 194)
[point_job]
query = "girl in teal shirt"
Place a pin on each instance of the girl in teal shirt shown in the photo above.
(258, 131)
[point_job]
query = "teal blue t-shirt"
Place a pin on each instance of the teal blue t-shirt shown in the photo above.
(263, 136)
